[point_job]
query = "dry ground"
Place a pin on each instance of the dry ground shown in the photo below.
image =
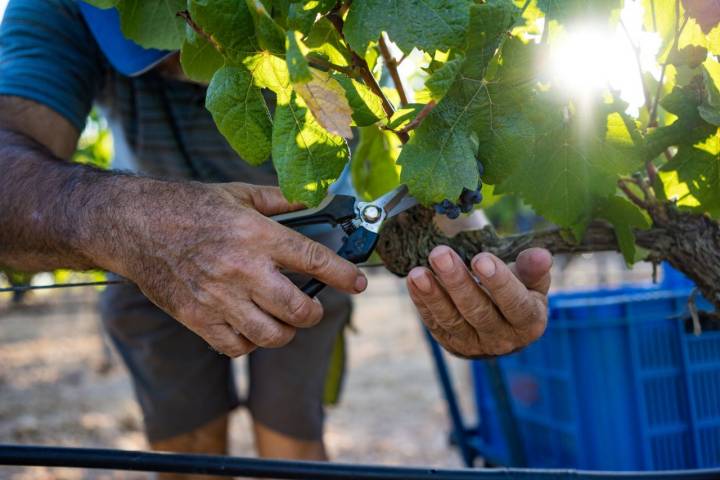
(53, 389)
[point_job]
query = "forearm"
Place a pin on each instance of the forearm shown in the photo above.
(55, 214)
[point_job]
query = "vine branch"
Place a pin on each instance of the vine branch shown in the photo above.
(689, 242)
(364, 70)
(392, 65)
(185, 15)
(322, 63)
(652, 120)
(415, 122)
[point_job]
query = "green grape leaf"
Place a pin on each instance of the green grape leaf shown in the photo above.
(270, 72)
(104, 4)
(199, 58)
(269, 35)
(505, 133)
(439, 160)
(574, 164)
(572, 9)
(301, 15)
(689, 128)
(366, 107)
(691, 55)
(325, 98)
(625, 217)
(298, 67)
(698, 171)
(373, 167)
(564, 10)
(443, 78)
(404, 115)
(153, 23)
(705, 12)
(229, 23)
(710, 108)
(325, 41)
(425, 24)
(307, 158)
(240, 113)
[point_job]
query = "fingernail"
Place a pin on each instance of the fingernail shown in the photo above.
(421, 281)
(443, 262)
(484, 266)
(360, 283)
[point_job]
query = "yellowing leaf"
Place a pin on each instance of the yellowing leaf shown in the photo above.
(325, 98)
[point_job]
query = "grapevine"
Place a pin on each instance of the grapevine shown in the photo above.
(478, 111)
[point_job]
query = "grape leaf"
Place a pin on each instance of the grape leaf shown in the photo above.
(572, 9)
(325, 98)
(373, 167)
(442, 79)
(698, 167)
(425, 24)
(366, 106)
(240, 113)
(575, 162)
(301, 15)
(705, 12)
(307, 158)
(504, 131)
(439, 160)
(625, 217)
(270, 72)
(324, 40)
(229, 23)
(153, 23)
(710, 108)
(298, 67)
(199, 58)
(404, 115)
(269, 35)
(689, 128)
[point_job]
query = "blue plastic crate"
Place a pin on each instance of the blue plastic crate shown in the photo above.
(615, 384)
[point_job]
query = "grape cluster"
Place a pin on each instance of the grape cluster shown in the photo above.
(467, 201)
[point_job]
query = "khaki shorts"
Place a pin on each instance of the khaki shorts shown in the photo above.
(181, 384)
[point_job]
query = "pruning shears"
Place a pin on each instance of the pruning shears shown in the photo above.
(361, 222)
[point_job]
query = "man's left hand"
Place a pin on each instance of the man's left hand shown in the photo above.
(504, 310)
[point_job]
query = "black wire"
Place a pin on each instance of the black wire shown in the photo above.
(25, 288)
(21, 455)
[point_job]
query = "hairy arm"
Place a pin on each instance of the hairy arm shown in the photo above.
(205, 253)
(41, 194)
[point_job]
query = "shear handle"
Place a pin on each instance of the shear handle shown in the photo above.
(334, 210)
(357, 248)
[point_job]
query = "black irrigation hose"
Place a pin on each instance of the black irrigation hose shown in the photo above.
(21, 455)
(25, 288)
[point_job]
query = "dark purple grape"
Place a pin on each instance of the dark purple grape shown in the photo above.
(465, 204)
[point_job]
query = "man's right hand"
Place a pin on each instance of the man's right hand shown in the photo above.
(208, 255)
(205, 253)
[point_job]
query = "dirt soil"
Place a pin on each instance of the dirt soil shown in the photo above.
(56, 389)
(60, 384)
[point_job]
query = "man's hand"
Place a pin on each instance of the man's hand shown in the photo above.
(208, 255)
(504, 310)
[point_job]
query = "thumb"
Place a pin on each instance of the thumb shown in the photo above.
(533, 269)
(266, 200)
(270, 201)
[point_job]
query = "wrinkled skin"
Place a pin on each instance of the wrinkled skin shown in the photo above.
(495, 309)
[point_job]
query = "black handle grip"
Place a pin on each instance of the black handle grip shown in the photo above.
(357, 248)
(313, 287)
(333, 211)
